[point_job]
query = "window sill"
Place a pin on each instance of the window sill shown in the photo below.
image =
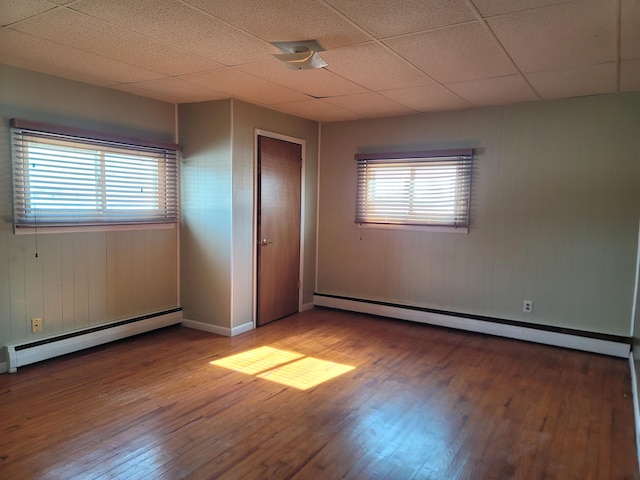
(417, 228)
(92, 228)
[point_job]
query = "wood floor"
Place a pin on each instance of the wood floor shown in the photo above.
(406, 401)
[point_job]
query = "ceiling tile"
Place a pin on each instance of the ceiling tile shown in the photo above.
(490, 8)
(495, 91)
(285, 20)
(370, 105)
(62, 58)
(173, 90)
(317, 110)
(374, 67)
(455, 54)
(54, 70)
(182, 26)
(543, 39)
(629, 29)
(319, 82)
(591, 80)
(431, 54)
(384, 18)
(429, 98)
(630, 75)
(90, 34)
(16, 10)
(246, 87)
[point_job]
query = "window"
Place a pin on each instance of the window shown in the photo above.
(65, 179)
(429, 188)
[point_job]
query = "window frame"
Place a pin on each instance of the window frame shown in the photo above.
(394, 162)
(111, 152)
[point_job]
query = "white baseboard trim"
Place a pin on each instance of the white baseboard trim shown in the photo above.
(307, 306)
(636, 403)
(206, 327)
(245, 327)
(605, 347)
(217, 329)
(229, 332)
(22, 354)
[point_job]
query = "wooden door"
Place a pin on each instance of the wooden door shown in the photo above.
(279, 186)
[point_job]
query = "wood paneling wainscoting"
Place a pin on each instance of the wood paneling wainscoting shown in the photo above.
(322, 394)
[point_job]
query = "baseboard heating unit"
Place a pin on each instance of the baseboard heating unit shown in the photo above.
(22, 354)
(605, 344)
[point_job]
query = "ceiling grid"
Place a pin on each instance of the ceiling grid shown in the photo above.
(385, 58)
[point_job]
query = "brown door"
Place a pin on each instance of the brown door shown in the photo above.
(279, 179)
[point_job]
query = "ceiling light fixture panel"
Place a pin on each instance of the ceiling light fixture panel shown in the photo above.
(301, 55)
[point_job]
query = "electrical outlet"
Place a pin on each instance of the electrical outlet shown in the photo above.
(527, 306)
(36, 325)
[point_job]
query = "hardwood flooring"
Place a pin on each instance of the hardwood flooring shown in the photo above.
(408, 401)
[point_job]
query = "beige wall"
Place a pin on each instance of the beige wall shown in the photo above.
(205, 186)
(554, 216)
(217, 241)
(79, 279)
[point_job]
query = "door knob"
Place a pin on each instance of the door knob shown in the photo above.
(265, 241)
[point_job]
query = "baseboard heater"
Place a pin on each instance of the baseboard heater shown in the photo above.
(614, 345)
(22, 354)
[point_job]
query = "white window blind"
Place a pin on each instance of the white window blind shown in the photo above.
(430, 188)
(60, 179)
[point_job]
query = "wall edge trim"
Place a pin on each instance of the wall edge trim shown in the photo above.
(307, 306)
(636, 404)
(206, 327)
(245, 327)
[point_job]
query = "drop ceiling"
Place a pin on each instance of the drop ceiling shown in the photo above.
(385, 57)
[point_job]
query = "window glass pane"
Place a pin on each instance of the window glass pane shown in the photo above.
(434, 193)
(62, 179)
(386, 191)
(126, 192)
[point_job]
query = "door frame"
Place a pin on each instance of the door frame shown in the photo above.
(254, 238)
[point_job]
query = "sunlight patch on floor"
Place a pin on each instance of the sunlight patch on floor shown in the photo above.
(257, 360)
(281, 366)
(306, 373)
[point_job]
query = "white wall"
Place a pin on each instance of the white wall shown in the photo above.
(79, 279)
(554, 215)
